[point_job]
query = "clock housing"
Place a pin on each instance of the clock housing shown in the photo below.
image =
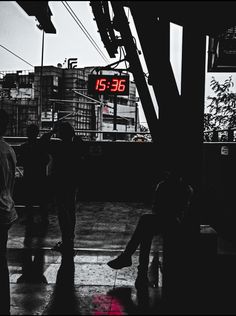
(108, 84)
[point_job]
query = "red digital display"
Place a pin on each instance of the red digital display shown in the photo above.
(108, 84)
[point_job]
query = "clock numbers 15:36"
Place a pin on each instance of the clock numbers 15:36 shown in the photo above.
(117, 85)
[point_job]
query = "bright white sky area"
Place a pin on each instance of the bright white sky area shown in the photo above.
(19, 33)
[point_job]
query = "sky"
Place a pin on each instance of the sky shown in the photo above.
(20, 34)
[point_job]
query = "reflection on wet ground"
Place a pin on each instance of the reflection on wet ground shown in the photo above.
(44, 282)
(82, 285)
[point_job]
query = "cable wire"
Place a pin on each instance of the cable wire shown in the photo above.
(123, 50)
(84, 30)
(116, 65)
(88, 35)
(16, 55)
(79, 23)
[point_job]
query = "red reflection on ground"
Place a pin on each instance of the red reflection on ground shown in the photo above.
(107, 305)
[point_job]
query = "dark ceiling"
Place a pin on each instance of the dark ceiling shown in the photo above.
(209, 17)
(41, 11)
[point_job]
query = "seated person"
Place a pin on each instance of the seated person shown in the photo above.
(171, 201)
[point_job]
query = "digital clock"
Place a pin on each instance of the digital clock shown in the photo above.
(108, 84)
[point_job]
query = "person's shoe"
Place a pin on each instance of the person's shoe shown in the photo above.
(141, 281)
(120, 262)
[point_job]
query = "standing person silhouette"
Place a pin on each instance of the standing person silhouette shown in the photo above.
(34, 159)
(7, 209)
(67, 157)
(170, 206)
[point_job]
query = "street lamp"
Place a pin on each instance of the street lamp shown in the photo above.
(41, 78)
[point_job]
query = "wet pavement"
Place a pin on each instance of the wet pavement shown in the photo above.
(89, 286)
(97, 290)
(100, 225)
(42, 283)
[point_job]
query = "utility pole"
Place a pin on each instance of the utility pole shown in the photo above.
(41, 82)
(115, 118)
(101, 117)
(53, 113)
(136, 117)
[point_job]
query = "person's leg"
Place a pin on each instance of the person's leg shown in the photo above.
(44, 213)
(66, 217)
(44, 201)
(29, 214)
(43, 207)
(4, 273)
(26, 266)
(38, 266)
(63, 215)
(145, 247)
(29, 201)
(72, 209)
(144, 252)
(142, 236)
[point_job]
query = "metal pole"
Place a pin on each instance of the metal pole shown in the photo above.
(83, 95)
(53, 111)
(115, 117)
(41, 82)
(17, 120)
(136, 117)
(135, 65)
(101, 117)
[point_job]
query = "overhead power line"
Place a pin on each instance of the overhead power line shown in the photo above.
(84, 30)
(16, 55)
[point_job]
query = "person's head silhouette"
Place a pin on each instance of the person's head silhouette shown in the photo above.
(66, 131)
(4, 119)
(32, 132)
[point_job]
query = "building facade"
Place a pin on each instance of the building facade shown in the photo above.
(55, 93)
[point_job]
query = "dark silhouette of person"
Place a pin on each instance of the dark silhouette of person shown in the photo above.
(171, 201)
(32, 269)
(64, 300)
(7, 209)
(33, 255)
(67, 155)
(34, 159)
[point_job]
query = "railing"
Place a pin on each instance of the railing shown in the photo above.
(95, 135)
(91, 135)
(220, 135)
